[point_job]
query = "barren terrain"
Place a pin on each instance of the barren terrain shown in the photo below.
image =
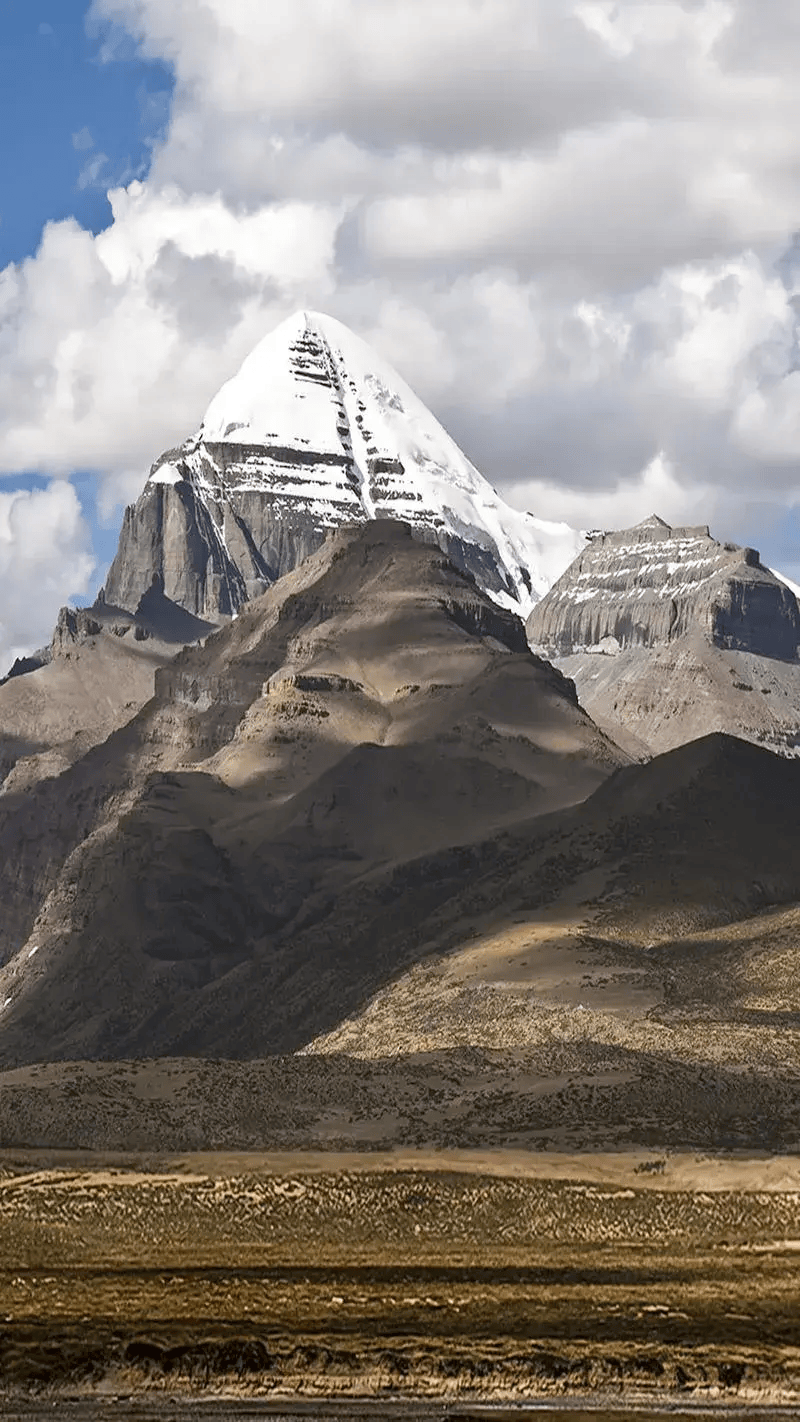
(371, 1027)
(651, 699)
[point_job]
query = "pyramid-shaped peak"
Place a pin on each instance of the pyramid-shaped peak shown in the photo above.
(315, 430)
(297, 385)
(326, 328)
(314, 395)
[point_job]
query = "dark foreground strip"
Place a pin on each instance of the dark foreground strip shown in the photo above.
(76, 1359)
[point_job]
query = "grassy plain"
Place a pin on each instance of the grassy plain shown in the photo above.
(455, 1276)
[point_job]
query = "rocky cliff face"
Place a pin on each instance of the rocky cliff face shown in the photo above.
(316, 431)
(669, 635)
(652, 584)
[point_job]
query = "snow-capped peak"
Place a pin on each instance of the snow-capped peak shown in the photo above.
(315, 390)
(316, 430)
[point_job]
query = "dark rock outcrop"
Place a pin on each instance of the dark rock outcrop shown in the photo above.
(156, 616)
(22, 665)
(171, 536)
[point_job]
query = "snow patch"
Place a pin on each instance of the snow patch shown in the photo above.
(787, 582)
(166, 474)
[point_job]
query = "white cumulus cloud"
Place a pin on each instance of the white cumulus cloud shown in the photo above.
(569, 224)
(44, 560)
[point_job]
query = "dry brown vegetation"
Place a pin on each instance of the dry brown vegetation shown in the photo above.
(461, 1281)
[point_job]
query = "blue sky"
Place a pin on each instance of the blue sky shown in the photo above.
(567, 223)
(79, 125)
(84, 109)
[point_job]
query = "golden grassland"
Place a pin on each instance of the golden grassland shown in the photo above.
(461, 1276)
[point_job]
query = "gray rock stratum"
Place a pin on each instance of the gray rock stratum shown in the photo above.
(670, 634)
(316, 430)
(644, 586)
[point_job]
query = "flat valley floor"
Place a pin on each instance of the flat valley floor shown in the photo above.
(448, 1279)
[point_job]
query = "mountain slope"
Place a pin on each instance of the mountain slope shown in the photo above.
(602, 976)
(314, 431)
(362, 823)
(97, 672)
(261, 830)
(636, 919)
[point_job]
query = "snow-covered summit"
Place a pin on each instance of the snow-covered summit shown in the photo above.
(312, 385)
(315, 430)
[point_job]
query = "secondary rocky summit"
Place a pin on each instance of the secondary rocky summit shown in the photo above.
(315, 431)
(653, 584)
(670, 634)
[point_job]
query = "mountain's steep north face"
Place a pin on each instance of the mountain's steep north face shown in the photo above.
(316, 430)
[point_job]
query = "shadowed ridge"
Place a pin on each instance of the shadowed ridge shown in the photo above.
(718, 760)
(160, 617)
(270, 815)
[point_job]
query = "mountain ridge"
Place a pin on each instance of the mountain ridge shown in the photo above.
(373, 707)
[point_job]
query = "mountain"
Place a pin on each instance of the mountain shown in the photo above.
(315, 431)
(273, 828)
(97, 672)
(614, 974)
(361, 834)
(669, 634)
(652, 584)
(366, 846)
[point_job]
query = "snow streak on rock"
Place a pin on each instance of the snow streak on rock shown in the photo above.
(652, 584)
